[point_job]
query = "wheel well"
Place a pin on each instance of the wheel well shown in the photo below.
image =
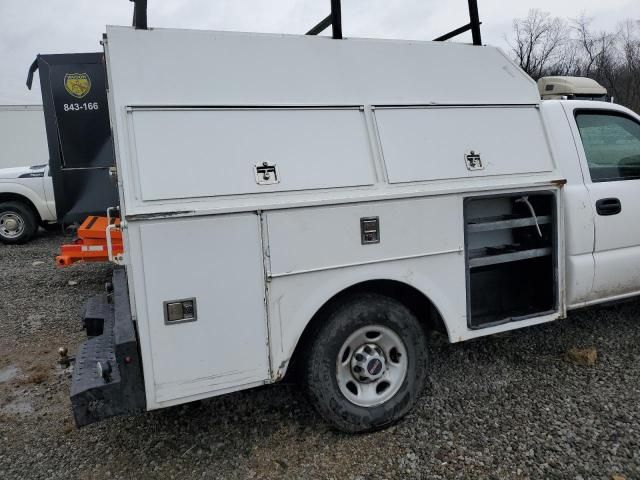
(410, 297)
(16, 197)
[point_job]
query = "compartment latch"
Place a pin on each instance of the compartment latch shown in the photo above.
(473, 161)
(369, 230)
(266, 173)
(180, 311)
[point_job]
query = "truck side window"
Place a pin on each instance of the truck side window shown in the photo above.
(612, 145)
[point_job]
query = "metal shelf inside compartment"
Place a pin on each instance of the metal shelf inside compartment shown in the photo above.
(501, 222)
(482, 257)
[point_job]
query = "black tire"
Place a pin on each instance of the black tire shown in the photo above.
(26, 218)
(338, 323)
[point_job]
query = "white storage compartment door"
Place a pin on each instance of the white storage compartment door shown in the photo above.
(431, 143)
(217, 261)
(189, 153)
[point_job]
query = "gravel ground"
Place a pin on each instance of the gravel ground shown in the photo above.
(503, 407)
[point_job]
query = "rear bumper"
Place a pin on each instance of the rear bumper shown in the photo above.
(112, 341)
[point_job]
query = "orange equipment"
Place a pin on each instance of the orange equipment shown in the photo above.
(91, 244)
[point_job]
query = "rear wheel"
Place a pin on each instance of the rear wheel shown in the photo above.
(368, 363)
(17, 223)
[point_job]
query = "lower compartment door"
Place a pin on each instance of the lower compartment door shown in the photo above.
(216, 262)
(512, 257)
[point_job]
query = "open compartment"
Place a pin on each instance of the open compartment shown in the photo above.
(511, 257)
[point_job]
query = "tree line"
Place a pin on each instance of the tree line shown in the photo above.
(544, 45)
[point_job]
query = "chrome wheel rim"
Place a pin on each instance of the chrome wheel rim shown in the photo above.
(11, 224)
(371, 366)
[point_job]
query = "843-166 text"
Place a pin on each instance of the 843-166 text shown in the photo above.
(75, 107)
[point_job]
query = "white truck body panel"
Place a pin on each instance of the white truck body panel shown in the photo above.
(264, 258)
(302, 70)
(280, 71)
(22, 136)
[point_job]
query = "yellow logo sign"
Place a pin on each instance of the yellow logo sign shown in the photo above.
(77, 84)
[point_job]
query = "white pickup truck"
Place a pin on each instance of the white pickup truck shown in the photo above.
(297, 200)
(26, 202)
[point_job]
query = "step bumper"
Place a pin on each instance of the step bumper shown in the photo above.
(117, 386)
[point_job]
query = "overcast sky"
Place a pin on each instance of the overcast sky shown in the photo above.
(29, 27)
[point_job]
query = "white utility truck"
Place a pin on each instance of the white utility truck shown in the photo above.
(299, 200)
(26, 192)
(26, 202)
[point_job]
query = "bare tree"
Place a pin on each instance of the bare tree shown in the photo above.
(598, 50)
(545, 45)
(538, 40)
(629, 35)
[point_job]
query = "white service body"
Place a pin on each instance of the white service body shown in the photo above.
(354, 129)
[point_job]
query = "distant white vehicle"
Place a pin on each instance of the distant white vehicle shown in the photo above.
(571, 88)
(23, 139)
(26, 202)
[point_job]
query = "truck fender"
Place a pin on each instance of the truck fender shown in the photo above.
(305, 311)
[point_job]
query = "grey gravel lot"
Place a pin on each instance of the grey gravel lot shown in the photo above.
(506, 407)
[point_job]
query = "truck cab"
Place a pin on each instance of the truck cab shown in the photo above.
(597, 146)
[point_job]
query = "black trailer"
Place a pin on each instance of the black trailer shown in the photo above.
(74, 99)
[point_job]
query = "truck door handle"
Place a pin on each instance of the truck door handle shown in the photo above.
(608, 206)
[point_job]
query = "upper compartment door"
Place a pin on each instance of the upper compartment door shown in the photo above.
(431, 143)
(204, 152)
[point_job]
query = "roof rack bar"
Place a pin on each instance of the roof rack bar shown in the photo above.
(453, 33)
(320, 27)
(334, 19)
(140, 14)
(473, 25)
(474, 21)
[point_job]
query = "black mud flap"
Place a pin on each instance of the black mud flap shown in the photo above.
(112, 343)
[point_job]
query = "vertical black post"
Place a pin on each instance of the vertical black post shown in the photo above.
(140, 14)
(336, 19)
(474, 21)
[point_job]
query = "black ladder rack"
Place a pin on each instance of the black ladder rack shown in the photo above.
(334, 19)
